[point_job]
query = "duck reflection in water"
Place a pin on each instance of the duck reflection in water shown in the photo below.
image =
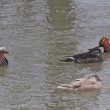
(88, 82)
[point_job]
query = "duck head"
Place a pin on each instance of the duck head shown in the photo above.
(105, 43)
(96, 77)
(3, 50)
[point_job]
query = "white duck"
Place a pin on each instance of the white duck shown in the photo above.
(88, 82)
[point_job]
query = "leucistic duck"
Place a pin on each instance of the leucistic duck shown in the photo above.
(105, 43)
(3, 59)
(93, 55)
(88, 82)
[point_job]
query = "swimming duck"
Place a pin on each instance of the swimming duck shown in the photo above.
(93, 55)
(3, 59)
(88, 82)
(105, 43)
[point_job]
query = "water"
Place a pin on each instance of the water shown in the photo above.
(37, 34)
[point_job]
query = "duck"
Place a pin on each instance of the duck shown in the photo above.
(105, 43)
(3, 59)
(93, 55)
(88, 82)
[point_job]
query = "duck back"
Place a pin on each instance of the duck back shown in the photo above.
(93, 55)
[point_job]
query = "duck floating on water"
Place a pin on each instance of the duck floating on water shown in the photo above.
(93, 55)
(88, 82)
(3, 59)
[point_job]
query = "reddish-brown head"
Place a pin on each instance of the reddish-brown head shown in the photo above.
(105, 43)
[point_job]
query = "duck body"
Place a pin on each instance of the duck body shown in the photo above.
(4, 62)
(93, 55)
(88, 82)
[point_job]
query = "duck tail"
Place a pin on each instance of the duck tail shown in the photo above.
(69, 59)
(65, 87)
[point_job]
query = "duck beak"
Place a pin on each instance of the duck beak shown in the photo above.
(100, 79)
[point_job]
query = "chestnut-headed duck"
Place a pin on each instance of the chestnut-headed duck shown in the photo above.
(88, 82)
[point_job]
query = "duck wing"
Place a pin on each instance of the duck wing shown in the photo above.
(75, 58)
(87, 57)
(93, 55)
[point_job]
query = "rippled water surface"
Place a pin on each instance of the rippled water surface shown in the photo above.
(38, 33)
